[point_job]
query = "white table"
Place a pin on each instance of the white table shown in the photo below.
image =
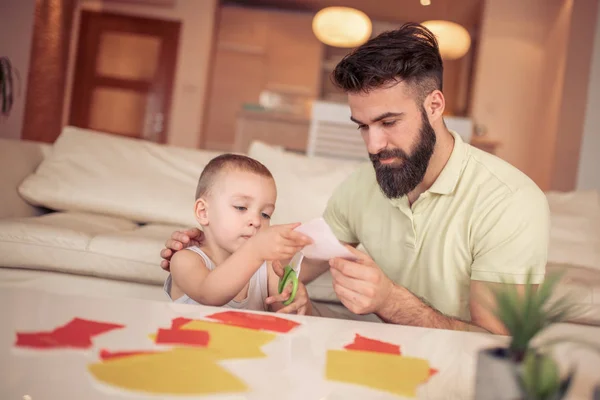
(294, 368)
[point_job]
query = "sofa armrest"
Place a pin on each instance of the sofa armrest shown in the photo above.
(18, 159)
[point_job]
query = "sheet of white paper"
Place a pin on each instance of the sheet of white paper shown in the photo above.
(325, 245)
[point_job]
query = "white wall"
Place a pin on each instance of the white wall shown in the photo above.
(193, 61)
(589, 162)
(16, 33)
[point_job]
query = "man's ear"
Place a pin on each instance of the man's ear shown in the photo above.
(435, 104)
(201, 211)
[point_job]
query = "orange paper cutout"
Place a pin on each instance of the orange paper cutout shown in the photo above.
(181, 336)
(77, 333)
(110, 355)
(255, 321)
(362, 343)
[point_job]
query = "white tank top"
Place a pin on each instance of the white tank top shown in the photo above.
(257, 290)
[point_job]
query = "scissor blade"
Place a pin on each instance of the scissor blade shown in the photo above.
(296, 262)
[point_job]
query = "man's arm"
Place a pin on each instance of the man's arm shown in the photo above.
(404, 308)
(363, 288)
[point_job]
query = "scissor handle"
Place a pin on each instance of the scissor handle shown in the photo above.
(289, 274)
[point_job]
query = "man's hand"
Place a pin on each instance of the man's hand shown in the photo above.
(180, 240)
(361, 286)
(301, 304)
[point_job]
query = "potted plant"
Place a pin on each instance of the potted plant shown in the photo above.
(539, 378)
(513, 372)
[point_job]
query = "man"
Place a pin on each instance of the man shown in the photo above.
(442, 222)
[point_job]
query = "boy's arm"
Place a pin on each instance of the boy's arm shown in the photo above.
(217, 287)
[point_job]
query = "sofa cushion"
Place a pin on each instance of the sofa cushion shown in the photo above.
(575, 240)
(577, 203)
(574, 228)
(142, 244)
(107, 174)
(70, 230)
(304, 183)
(83, 244)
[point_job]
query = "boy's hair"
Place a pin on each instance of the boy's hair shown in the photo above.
(410, 54)
(228, 161)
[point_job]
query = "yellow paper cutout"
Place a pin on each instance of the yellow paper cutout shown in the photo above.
(183, 370)
(228, 341)
(389, 372)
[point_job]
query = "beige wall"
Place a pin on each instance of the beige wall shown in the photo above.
(531, 84)
(16, 32)
(589, 162)
(508, 79)
(194, 53)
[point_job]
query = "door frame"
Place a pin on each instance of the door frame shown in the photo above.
(87, 49)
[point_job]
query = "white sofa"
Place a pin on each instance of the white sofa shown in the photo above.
(90, 214)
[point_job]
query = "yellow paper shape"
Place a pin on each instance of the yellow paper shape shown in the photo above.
(389, 372)
(183, 371)
(228, 341)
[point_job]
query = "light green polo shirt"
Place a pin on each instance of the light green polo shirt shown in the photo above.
(482, 219)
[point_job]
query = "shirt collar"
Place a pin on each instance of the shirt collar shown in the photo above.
(448, 178)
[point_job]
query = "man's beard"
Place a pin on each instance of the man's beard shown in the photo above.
(398, 180)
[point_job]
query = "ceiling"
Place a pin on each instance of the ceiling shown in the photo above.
(464, 12)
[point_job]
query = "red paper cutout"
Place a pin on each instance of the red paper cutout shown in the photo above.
(182, 336)
(179, 322)
(432, 372)
(362, 343)
(255, 321)
(109, 355)
(77, 333)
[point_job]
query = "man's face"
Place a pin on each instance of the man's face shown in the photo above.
(399, 138)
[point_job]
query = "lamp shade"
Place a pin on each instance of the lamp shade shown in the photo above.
(453, 39)
(342, 26)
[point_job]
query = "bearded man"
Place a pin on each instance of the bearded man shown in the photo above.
(441, 221)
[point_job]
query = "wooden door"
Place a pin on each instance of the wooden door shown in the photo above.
(124, 75)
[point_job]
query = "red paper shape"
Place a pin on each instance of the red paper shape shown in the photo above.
(255, 321)
(432, 372)
(362, 343)
(77, 333)
(109, 355)
(182, 336)
(179, 322)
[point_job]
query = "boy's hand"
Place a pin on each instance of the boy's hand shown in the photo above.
(278, 242)
(301, 304)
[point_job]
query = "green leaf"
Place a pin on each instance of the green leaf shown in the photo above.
(540, 376)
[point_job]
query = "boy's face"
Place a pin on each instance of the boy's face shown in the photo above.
(238, 205)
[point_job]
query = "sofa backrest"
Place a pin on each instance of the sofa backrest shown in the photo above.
(108, 174)
(146, 182)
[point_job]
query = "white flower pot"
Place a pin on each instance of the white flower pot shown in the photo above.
(496, 376)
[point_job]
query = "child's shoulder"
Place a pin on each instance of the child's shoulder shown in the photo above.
(191, 256)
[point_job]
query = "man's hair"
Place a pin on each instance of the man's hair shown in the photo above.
(410, 54)
(231, 162)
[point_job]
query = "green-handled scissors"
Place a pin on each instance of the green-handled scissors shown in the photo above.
(290, 274)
